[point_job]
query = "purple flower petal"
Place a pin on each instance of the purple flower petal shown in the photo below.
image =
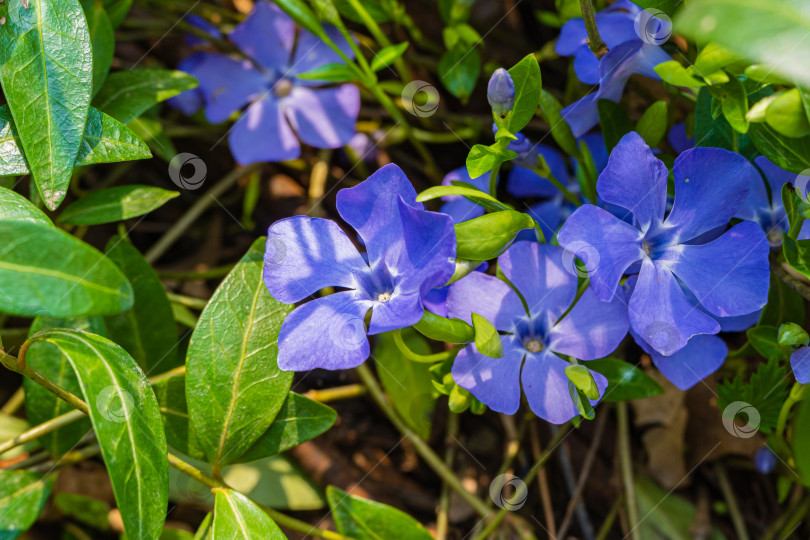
(546, 387)
(323, 117)
(596, 144)
(540, 273)
(435, 301)
(777, 177)
(192, 100)
(800, 364)
(489, 297)
(524, 182)
(739, 322)
(325, 333)
(607, 246)
(263, 134)
(702, 356)
(311, 52)
(227, 84)
(266, 36)
(371, 208)
(304, 255)
(586, 66)
(635, 180)
(402, 310)
(549, 215)
(710, 185)
(678, 139)
(495, 382)
(661, 313)
(592, 329)
(757, 200)
(582, 115)
(730, 275)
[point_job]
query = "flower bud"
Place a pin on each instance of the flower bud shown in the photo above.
(501, 92)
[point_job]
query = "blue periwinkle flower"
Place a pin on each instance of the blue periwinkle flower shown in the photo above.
(534, 340)
(764, 460)
(728, 274)
(501, 92)
(410, 251)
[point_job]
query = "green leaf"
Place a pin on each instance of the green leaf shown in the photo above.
(301, 13)
(22, 497)
(373, 7)
(667, 6)
(236, 516)
(15, 207)
(459, 69)
(716, 131)
(614, 121)
(47, 89)
(560, 130)
(800, 441)
(477, 196)
(713, 57)
(147, 331)
(34, 279)
(765, 340)
(734, 103)
(652, 126)
(625, 381)
(106, 140)
(488, 236)
(784, 304)
(102, 38)
(581, 402)
(483, 159)
(363, 519)
(115, 204)
(443, 329)
(126, 420)
(407, 383)
(117, 10)
(786, 114)
(128, 94)
(171, 395)
(528, 86)
(387, 56)
(40, 404)
(765, 392)
(487, 339)
(797, 254)
(87, 510)
(151, 130)
(299, 420)
(677, 75)
(792, 154)
(748, 29)
(583, 379)
(334, 72)
(667, 515)
(234, 385)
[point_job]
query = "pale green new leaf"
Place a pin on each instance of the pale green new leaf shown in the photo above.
(128, 94)
(238, 518)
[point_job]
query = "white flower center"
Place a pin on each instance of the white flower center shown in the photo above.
(384, 297)
(282, 88)
(534, 346)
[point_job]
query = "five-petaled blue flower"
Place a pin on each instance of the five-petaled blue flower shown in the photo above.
(728, 275)
(278, 100)
(410, 251)
(535, 340)
(633, 39)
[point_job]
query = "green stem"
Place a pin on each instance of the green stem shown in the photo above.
(626, 464)
(553, 179)
(442, 521)
(493, 180)
(595, 43)
(336, 394)
(731, 501)
(422, 448)
(187, 301)
(381, 38)
(191, 275)
(14, 403)
(421, 358)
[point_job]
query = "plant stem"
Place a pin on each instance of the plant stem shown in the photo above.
(595, 43)
(731, 501)
(14, 403)
(190, 275)
(626, 464)
(794, 283)
(493, 180)
(422, 448)
(197, 209)
(559, 185)
(336, 394)
(442, 522)
(187, 301)
(381, 38)
(421, 358)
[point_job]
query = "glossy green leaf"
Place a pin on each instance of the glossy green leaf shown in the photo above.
(237, 517)
(614, 121)
(48, 89)
(560, 130)
(713, 57)
(528, 86)
(301, 13)
(407, 383)
(625, 381)
(102, 38)
(115, 204)
(128, 94)
(334, 72)
(583, 379)
(22, 497)
(126, 420)
(488, 236)
(387, 56)
(677, 75)
(147, 331)
(487, 339)
(234, 385)
(482, 159)
(15, 207)
(792, 154)
(758, 31)
(106, 140)
(477, 196)
(652, 126)
(444, 329)
(171, 395)
(765, 340)
(786, 115)
(34, 279)
(734, 103)
(40, 404)
(784, 304)
(459, 69)
(363, 519)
